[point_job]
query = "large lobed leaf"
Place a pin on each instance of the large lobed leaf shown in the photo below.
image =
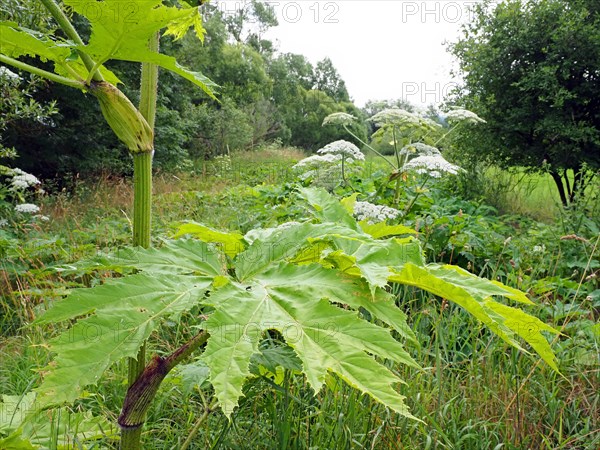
(295, 300)
(121, 30)
(474, 294)
(123, 314)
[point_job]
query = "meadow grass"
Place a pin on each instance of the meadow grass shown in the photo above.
(473, 391)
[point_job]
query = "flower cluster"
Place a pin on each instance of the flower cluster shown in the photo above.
(344, 149)
(22, 180)
(374, 213)
(433, 165)
(27, 208)
(419, 149)
(339, 118)
(463, 115)
(316, 161)
(395, 116)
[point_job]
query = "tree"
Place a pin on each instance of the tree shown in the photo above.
(532, 70)
(328, 80)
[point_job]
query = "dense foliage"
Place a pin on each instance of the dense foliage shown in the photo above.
(532, 69)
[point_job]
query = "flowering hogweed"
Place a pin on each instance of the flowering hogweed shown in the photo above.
(22, 180)
(374, 213)
(339, 118)
(395, 116)
(432, 165)
(419, 149)
(27, 208)
(316, 161)
(343, 148)
(463, 115)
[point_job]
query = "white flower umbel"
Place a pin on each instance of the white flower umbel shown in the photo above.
(433, 165)
(22, 180)
(317, 161)
(463, 115)
(3, 223)
(339, 118)
(374, 213)
(419, 149)
(342, 148)
(395, 116)
(27, 208)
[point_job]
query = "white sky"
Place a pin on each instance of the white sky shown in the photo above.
(382, 49)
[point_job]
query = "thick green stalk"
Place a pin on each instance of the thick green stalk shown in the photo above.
(142, 198)
(66, 25)
(142, 213)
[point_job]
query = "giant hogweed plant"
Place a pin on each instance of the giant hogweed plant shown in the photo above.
(321, 285)
(127, 31)
(414, 140)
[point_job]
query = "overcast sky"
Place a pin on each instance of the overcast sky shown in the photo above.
(382, 49)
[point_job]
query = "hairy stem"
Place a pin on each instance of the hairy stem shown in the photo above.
(141, 393)
(66, 25)
(142, 214)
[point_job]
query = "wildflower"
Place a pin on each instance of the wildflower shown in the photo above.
(342, 148)
(316, 161)
(395, 116)
(339, 118)
(458, 115)
(374, 213)
(433, 165)
(22, 180)
(3, 223)
(539, 248)
(27, 208)
(419, 149)
(42, 218)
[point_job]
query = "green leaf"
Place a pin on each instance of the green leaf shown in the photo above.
(191, 376)
(179, 27)
(373, 258)
(28, 427)
(177, 257)
(124, 313)
(285, 243)
(232, 243)
(327, 208)
(16, 41)
(475, 295)
(122, 30)
(295, 300)
(379, 230)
